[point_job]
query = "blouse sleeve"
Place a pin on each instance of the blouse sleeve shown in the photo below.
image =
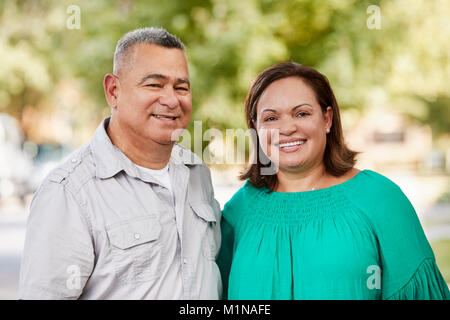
(409, 269)
(232, 210)
(426, 284)
(226, 254)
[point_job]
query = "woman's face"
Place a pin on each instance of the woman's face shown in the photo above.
(291, 125)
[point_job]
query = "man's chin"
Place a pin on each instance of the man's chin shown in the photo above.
(165, 136)
(165, 142)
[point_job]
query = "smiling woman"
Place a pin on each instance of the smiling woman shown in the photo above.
(317, 228)
(301, 94)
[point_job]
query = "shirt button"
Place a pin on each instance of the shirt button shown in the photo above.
(74, 160)
(137, 236)
(184, 261)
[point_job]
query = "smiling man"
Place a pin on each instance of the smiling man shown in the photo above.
(131, 215)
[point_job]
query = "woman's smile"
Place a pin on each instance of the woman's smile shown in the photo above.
(291, 145)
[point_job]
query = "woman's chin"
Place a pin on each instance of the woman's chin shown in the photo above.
(291, 165)
(291, 161)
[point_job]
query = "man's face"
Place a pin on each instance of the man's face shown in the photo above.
(154, 95)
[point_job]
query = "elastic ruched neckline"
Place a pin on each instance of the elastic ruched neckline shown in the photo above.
(296, 207)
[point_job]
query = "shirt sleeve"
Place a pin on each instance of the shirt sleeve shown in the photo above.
(215, 206)
(58, 256)
(409, 269)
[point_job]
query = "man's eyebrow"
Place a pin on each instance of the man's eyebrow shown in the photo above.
(152, 76)
(162, 77)
(184, 80)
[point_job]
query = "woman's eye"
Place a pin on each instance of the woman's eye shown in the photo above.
(269, 119)
(302, 114)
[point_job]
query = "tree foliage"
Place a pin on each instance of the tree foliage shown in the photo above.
(403, 65)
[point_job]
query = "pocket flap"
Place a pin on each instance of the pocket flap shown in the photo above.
(134, 232)
(204, 211)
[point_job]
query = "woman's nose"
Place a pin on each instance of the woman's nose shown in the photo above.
(287, 127)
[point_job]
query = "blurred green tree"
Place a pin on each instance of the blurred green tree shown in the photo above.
(228, 42)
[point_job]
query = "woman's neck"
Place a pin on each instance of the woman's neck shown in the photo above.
(298, 181)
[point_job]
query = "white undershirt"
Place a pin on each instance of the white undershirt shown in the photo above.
(162, 175)
(172, 273)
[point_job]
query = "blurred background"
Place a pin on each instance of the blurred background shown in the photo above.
(387, 61)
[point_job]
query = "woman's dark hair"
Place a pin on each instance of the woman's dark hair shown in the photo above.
(338, 159)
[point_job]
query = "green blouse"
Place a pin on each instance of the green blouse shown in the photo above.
(360, 239)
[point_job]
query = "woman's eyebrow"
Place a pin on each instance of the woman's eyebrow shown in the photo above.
(293, 108)
(301, 105)
(267, 110)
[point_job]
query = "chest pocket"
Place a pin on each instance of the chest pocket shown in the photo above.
(136, 249)
(206, 226)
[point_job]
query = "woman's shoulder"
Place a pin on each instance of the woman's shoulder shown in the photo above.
(374, 184)
(240, 200)
(380, 197)
(242, 195)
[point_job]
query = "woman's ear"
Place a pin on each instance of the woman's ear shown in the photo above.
(254, 123)
(328, 118)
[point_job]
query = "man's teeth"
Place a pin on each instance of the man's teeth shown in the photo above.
(163, 117)
(291, 144)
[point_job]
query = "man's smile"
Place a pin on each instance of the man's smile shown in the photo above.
(165, 117)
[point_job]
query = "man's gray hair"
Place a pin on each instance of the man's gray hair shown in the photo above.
(158, 36)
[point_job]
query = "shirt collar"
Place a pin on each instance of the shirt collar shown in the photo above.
(110, 160)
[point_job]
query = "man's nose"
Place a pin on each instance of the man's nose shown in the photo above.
(169, 98)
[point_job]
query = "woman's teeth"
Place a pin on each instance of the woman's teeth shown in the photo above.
(291, 144)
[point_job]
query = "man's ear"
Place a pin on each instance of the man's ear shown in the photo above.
(111, 86)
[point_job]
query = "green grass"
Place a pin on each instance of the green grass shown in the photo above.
(442, 252)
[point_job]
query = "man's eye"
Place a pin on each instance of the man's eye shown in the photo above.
(154, 85)
(182, 88)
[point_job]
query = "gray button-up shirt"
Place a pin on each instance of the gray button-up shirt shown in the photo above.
(100, 228)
